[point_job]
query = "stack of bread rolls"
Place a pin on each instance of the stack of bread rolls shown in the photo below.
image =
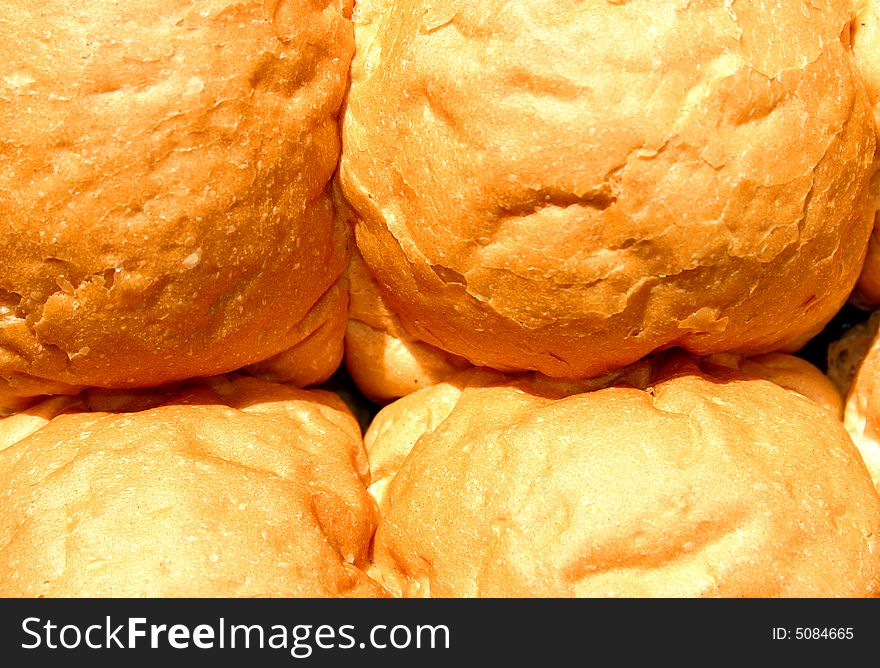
(574, 248)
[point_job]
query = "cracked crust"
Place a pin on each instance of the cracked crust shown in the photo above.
(692, 479)
(230, 487)
(164, 201)
(537, 191)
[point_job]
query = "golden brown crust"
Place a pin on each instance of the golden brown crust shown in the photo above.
(707, 483)
(531, 194)
(232, 487)
(164, 201)
(319, 348)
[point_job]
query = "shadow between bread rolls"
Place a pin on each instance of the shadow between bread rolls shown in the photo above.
(854, 363)
(678, 477)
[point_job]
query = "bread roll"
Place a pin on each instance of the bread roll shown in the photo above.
(566, 187)
(233, 487)
(164, 201)
(698, 480)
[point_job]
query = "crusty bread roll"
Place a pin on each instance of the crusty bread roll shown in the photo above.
(697, 481)
(857, 356)
(568, 187)
(233, 487)
(164, 201)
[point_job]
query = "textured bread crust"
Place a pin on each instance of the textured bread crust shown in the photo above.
(862, 416)
(566, 187)
(386, 362)
(233, 487)
(705, 482)
(866, 48)
(164, 201)
(383, 359)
